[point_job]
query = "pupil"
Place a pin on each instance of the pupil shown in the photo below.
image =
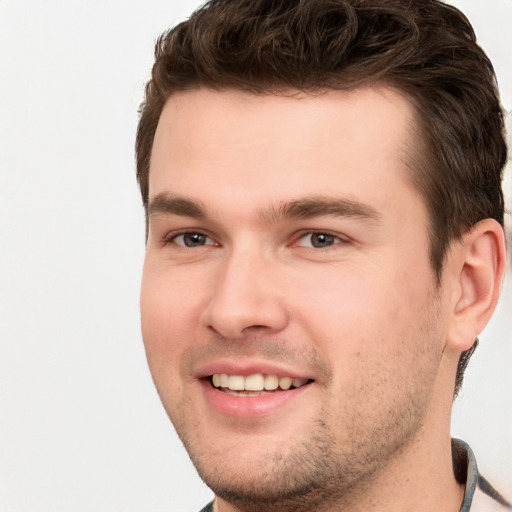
(193, 239)
(322, 240)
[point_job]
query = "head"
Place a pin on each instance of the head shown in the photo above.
(267, 47)
(274, 59)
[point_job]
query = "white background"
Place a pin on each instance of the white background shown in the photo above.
(81, 427)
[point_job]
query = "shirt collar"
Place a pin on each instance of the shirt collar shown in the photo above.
(466, 471)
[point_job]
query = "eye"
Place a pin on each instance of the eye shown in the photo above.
(318, 240)
(191, 239)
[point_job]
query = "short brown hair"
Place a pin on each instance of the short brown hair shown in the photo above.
(424, 49)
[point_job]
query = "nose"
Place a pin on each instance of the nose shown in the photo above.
(245, 299)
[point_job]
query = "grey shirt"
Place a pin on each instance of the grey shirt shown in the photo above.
(480, 495)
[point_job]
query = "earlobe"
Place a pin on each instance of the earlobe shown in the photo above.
(480, 262)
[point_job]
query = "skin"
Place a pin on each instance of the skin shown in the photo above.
(360, 316)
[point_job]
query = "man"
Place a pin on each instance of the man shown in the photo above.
(322, 183)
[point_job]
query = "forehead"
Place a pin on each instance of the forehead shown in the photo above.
(282, 145)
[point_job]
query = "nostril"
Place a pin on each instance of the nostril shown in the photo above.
(254, 328)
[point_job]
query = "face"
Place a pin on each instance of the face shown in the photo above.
(289, 312)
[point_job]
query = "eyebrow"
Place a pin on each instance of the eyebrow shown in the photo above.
(173, 205)
(306, 208)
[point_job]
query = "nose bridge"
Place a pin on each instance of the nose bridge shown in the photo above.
(244, 297)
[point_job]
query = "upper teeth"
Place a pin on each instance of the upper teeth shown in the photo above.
(255, 382)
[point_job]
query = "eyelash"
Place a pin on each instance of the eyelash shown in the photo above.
(337, 239)
(172, 237)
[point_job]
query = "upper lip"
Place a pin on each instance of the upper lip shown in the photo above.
(246, 368)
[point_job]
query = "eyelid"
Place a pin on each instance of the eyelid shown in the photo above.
(170, 237)
(341, 239)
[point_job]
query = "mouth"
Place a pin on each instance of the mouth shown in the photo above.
(253, 393)
(256, 384)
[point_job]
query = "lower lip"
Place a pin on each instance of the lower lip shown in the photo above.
(250, 406)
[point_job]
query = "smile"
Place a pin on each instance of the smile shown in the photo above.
(251, 394)
(255, 382)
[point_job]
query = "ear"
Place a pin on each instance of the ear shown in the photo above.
(477, 266)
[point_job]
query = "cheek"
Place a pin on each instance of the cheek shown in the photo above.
(382, 338)
(353, 311)
(164, 309)
(167, 306)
